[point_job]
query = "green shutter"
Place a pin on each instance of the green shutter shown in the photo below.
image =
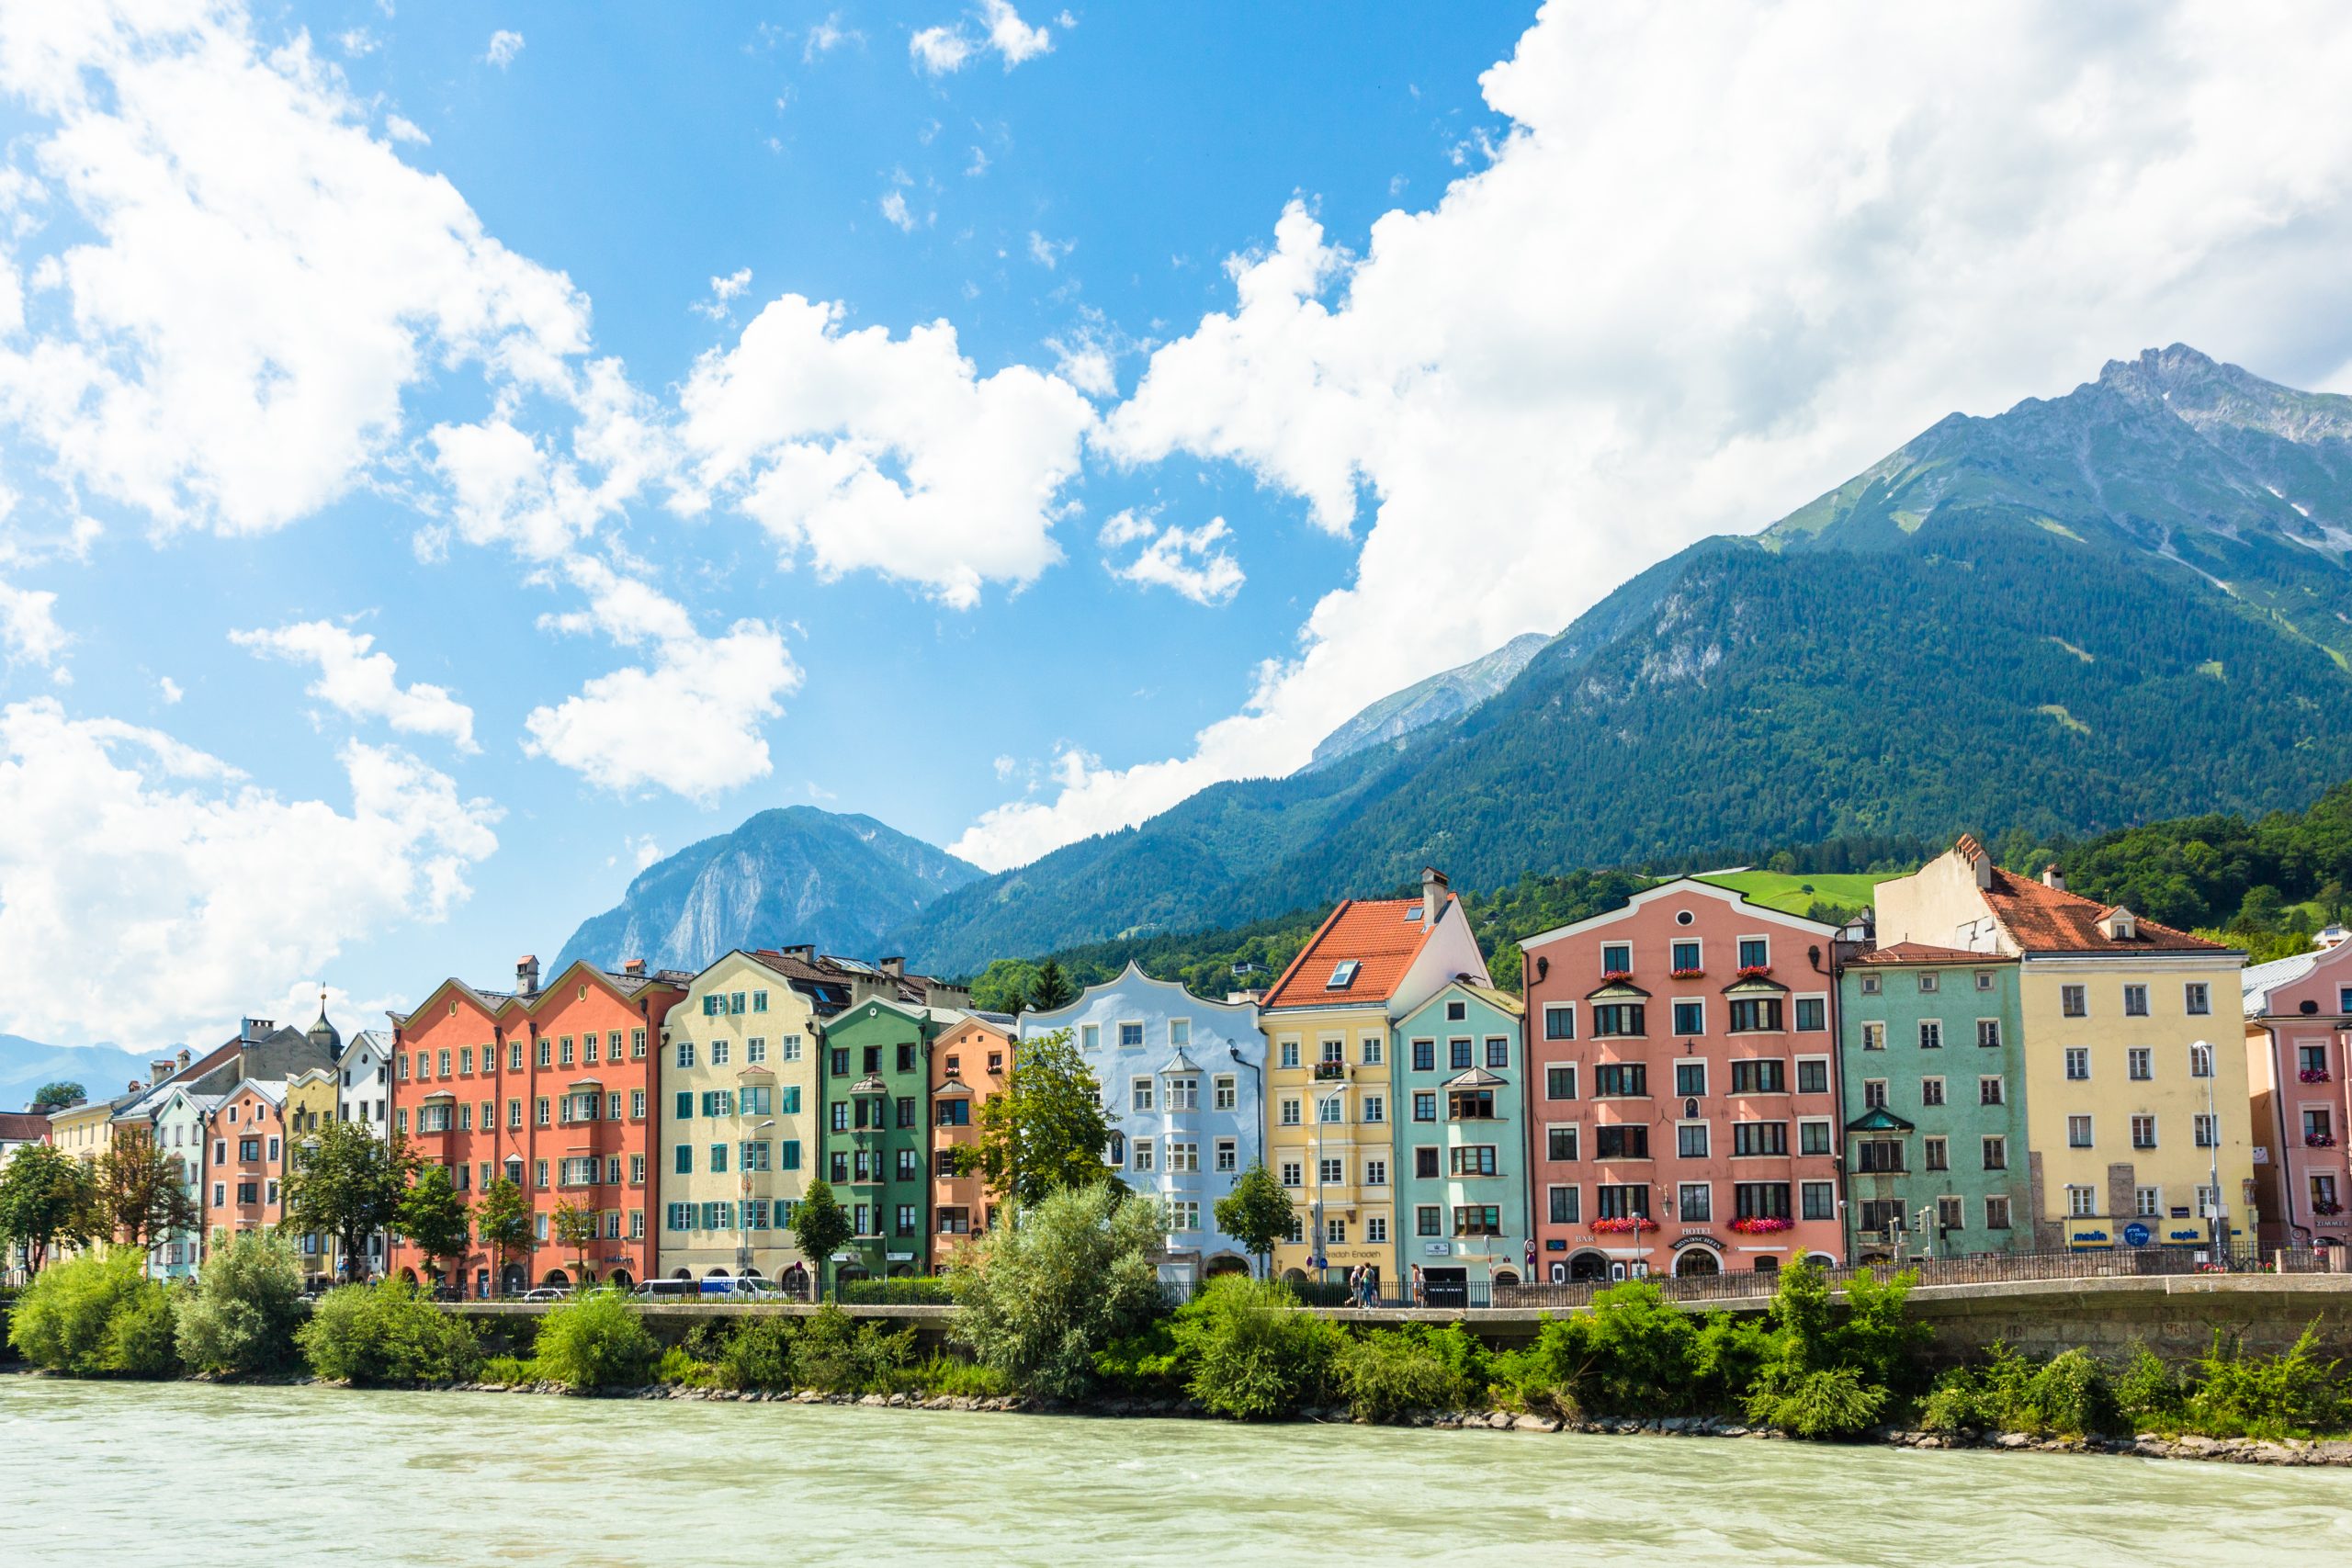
(685, 1165)
(791, 1155)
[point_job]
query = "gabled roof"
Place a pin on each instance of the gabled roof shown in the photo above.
(1502, 1001)
(500, 1004)
(1920, 953)
(1129, 977)
(1182, 1062)
(23, 1126)
(2042, 919)
(1375, 935)
(1476, 1077)
(1677, 887)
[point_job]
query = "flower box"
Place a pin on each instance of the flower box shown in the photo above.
(2325, 1209)
(1625, 1225)
(2319, 1140)
(2313, 1075)
(1688, 974)
(1615, 976)
(1761, 1226)
(1755, 971)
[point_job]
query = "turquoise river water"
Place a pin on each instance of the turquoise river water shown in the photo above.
(205, 1477)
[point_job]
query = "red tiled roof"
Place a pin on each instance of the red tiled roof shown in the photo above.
(24, 1126)
(1924, 952)
(1373, 931)
(2041, 919)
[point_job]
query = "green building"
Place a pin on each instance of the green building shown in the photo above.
(1460, 1067)
(1932, 1061)
(875, 1087)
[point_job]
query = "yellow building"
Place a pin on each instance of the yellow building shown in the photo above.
(2136, 1100)
(85, 1131)
(736, 1134)
(1331, 1133)
(311, 1100)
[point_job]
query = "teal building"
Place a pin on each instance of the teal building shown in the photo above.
(1931, 1062)
(1461, 1093)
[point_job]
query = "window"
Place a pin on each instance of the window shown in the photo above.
(1426, 1220)
(1766, 1076)
(2197, 998)
(1291, 1173)
(1559, 1142)
(2148, 1203)
(2135, 1001)
(636, 1053)
(1458, 1054)
(538, 1173)
(1755, 953)
(1997, 1152)
(1185, 1156)
(1871, 986)
(1425, 1163)
(1616, 958)
(1425, 1056)
(1948, 1214)
(2078, 1132)
(1820, 1200)
(1691, 1078)
(1184, 1093)
(1686, 958)
(1560, 1022)
(1690, 1140)
(1373, 1050)
(2078, 1062)
(1931, 1091)
(1564, 1205)
(1760, 1200)
(1992, 1090)
(515, 1056)
(1290, 1112)
(2203, 1124)
(1931, 1034)
(791, 1047)
(1612, 1140)
(1478, 1160)
(909, 1166)
(1690, 1018)
(1751, 1015)
(1344, 974)
(719, 1053)
(908, 1224)
(1929, 983)
(2140, 1064)
(1375, 1173)
(1694, 1202)
(1813, 1137)
(1813, 1075)
(1228, 1096)
(1180, 1032)
(1988, 1033)
(1560, 1083)
(1331, 1109)
(1228, 1156)
(1997, 1213)
(1476, 1219)
(1335, 1232)
(1873, 1094)
(717, 1159)
(1760, 1137)
(1289, 1053)
(1874, 1037)
(1184, 1214)
(1424, 1105)
(1813, 1015)
(2074, 1001)
(954, 1113)
(1621, 1079)
(1465, 1105)
(1620, 1021)
(1873, 1155)
(686, 1052)
(1140, 1094)
(541, 1110)
(1376, 1105)
(1140, 1154)
(1331, 1171)
(1089, 1037)
(1935, 1155)
(1623, 1202)
(1131, 1037)
(1497, 1051)
(2200, 1061)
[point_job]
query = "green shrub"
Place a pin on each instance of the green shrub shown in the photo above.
(1876, 1334)
(1547, 1375)
(1254, 1353)
(2275, 1396)
(1827, 1403)
(922, 1291)
(2149, 1393)
(680, 1367)
(387, 1333)
(2072, 1396)
(96, 1315)
(248, 1297)
(1150, 1364)
(595, 1340)
(1392, 1372)
(758, 1355)
(512, 1369)
(1041, 1298)
(1639, 1350)
(1726, 1354)
(833, 1353)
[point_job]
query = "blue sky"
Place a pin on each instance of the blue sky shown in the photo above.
(595, 364)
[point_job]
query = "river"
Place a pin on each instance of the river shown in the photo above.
(206, 1477)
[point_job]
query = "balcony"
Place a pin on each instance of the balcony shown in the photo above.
(1330, 1072)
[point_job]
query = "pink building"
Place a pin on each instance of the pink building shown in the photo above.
(2299, 1045)
(1682, 1108)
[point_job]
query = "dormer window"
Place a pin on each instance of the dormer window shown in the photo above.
(1344, 974)
(2120, 924)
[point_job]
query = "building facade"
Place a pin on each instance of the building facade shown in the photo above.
(2299, 1048)
(246, 1163)
(181, 1136)
(970, 1065)
(1932, 1074)
(553, 1088)
(877, 1090)
(1330, 1089)
(738, 1131)
(1182, 1083)
(311, 1100)
(1460, 1069)
(1684, 1108)
(2137, 1108)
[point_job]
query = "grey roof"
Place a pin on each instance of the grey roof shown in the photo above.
(2256, 983)
(1182, 1062)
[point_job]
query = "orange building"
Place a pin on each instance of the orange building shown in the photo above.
(242, 1180)
(968, 1064)
(553, 1088)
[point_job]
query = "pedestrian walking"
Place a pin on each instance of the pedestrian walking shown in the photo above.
(1420, 1287)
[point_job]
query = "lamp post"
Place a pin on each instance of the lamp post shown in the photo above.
(1321, 1242)
(2216, 1228)
(743, 1200)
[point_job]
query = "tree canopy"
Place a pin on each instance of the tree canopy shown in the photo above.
(1045, 1129)
(46, 1200)
(819, 1228)
(433, 1217)
(347, 1183)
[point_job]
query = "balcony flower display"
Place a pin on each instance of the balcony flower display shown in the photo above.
(2319, 1140)
(1615, 976)
(1625, 1225)
(1761, 1224)
(2325, 1208)
(2313, 1075)
(1688, 974)
(1755, 971)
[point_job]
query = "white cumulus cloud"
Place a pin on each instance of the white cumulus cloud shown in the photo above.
(180, 894)
(28, 628)
(1686, 290)
(364, 683)
(868, 452)
(939, 50)
(1192, 561)
(504, 47)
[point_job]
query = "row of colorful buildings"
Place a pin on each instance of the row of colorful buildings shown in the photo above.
(1692, 1083)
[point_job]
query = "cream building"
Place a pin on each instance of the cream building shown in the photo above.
(2137, 1110)
(736, 1137)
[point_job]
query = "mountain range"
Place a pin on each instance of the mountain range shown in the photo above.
(2129, 602)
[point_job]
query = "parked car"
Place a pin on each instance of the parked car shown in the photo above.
(667, 1290)
(547, 1293)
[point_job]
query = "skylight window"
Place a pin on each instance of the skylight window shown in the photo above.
(1344, 974)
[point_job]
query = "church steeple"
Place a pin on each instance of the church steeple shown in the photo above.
(323, 1034)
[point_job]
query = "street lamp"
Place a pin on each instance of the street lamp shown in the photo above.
(743, 1203)
(1320, 1257)
(2197, 1049)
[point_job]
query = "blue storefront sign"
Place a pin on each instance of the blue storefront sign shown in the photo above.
(2135, 1234)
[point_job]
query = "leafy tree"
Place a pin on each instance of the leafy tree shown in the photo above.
(139, 1193)
(96, 1315)
(597, 1341)
(1005, 986)
(241, 1314)
(347, 1183)
(1257, 1213)
(57, 1096)
(46, 1200)
(574, 1228)
(502, 1221)
(819, 1228)
(387, 1333)
(1039, 1298)
(1045, 1130)
(1052, 988)
(433, 1217)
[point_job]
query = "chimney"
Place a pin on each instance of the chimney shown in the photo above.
(183, 1057)
(526, 975)
(896, 964)
(135, 1085)
(806, 953)
(2052, 877)
(256, 1031)
(158, 1071)
(1433, 886)
(633, 966)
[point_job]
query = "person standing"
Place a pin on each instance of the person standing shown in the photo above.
(1420, 1287)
